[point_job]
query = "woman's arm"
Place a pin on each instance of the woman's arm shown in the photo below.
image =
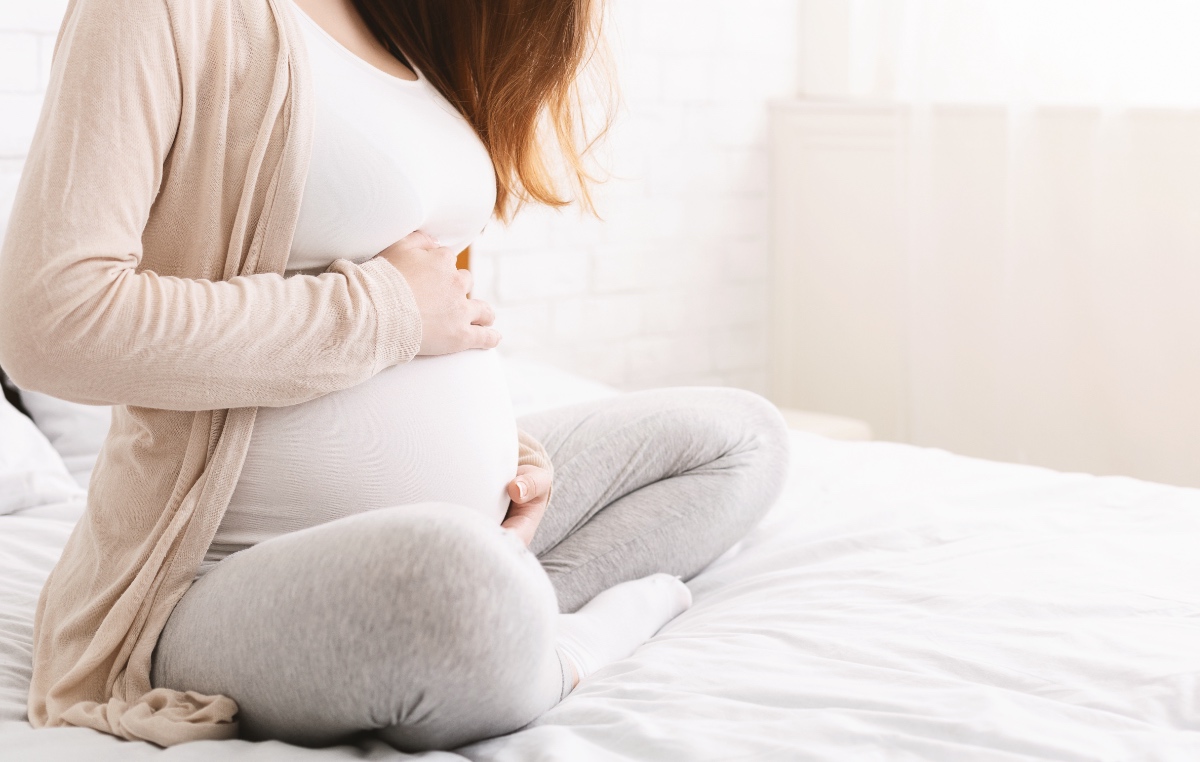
(80, 320)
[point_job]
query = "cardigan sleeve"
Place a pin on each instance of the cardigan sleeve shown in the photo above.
(82, 320)
(533, 453)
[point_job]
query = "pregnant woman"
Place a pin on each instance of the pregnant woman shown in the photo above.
(315, 514)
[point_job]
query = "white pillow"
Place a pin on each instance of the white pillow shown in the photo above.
(76, 431)
(32, 474)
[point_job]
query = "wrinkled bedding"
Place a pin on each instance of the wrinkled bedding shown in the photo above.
(897, 603)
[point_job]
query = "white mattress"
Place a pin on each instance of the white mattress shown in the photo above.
(897, 603)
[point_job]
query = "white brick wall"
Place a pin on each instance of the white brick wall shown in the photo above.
(27, 32)
(670, 288)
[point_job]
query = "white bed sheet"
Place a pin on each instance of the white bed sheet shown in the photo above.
(897, 603)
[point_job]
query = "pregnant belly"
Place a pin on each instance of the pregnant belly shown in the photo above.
(435, 428)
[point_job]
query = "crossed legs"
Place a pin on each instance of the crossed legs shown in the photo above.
(433, 627)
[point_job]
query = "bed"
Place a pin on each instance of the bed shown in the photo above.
(896, 603)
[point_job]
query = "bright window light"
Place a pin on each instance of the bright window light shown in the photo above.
(1108, 52)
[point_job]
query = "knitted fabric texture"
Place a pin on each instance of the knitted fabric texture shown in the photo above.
(143, 268)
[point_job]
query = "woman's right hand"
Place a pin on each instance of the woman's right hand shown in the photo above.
(450, 321)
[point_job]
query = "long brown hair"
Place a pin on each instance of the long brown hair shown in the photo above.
(512, 68)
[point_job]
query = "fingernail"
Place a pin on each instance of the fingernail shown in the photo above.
(521, 488)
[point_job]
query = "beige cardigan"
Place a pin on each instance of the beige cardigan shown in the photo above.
(143, 268)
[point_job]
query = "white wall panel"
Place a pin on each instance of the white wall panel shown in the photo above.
(838, 314)
(1012, 286)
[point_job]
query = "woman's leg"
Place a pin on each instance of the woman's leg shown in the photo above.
(660, 480)
(425, 622)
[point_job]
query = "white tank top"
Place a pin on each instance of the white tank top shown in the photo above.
(389, 156)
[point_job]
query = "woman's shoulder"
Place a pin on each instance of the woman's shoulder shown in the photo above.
(188, 47)
(195, 24)
(233, 15)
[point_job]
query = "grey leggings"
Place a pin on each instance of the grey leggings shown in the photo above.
(433, 627)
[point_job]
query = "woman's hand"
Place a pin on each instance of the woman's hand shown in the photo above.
(528, 492)
(450, 321)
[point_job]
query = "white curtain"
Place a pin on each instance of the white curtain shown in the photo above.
(1052, 224)
(1114, 53)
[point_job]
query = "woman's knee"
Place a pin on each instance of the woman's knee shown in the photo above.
(419, 617)
(496, 632)
(459, 547)
(764, 447)
(747, 438)
(739, 423)
(767, 431)
(458, 570)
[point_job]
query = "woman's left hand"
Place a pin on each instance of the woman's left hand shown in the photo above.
(528, 493)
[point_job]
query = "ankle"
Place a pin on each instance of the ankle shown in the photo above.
(571, 672)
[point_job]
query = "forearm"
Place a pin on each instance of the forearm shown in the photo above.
(116, 336)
